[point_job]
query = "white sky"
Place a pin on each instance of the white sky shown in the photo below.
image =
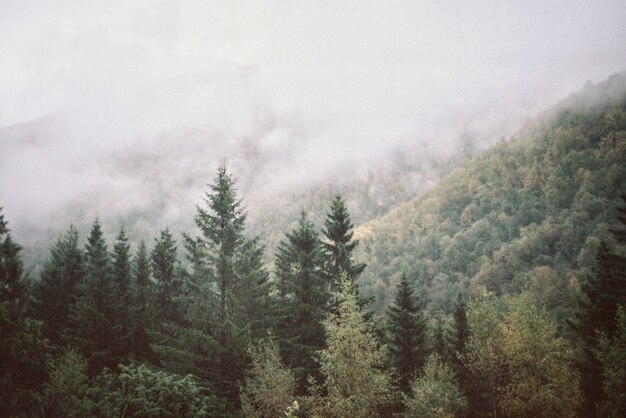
(321, 79)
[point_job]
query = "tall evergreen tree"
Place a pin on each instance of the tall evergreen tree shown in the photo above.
(21, 349)
(339, 245)
(164, 270)
(91, 326)
(121, 266)
(406, 332)
(602, 294)
(215, 330)
(304, 299)
(142, 307)
(461, 335)
(56, 290)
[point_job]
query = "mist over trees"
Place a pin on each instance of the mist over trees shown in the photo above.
(499, 293)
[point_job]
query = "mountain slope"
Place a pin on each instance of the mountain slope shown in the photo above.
(530, 211)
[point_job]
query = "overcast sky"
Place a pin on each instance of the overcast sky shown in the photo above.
(315, 81)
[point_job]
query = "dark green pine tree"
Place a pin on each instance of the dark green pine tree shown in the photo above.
(406, 333)
(123, 298)
(91, 327)
(22, 362)
(56, 290)
(461, 335)
(215, 330)
(602, 295)
(142, 306)
(304, 299)
(441, 340)
(339, 245)
(168, 282)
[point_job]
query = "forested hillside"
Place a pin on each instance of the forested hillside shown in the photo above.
(529, 213)
(500, 292)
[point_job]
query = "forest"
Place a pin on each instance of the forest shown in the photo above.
(500, 292)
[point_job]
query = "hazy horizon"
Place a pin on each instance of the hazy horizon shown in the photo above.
(119, 102)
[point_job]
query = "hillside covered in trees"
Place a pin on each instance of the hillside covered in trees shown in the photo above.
(500, 292)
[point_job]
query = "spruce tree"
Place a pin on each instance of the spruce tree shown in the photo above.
(602, 294)
(91, 327)
(22, 351)
(339, 245)
(304, 299)
(122, 302)
(406, 333)
(461, 335)
(142, 307)
(164, 270)
(57, 288)
(219, 293)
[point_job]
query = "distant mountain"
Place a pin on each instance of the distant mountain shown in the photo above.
(528, 213)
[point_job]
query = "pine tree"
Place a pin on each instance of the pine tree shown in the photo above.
(167, 282)
(406, 333)
(611, 354)
(441, 341)
(219, 292)
(602, 294)
(304, 299)
(339, 245)
(142, 307)
(22, 367)
(461, 335)
(91, 327)
(123, 298)
(57, 287)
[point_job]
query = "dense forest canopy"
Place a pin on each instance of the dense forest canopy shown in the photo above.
(500, 291)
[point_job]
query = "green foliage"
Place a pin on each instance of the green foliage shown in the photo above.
(355, 384)
(270, 387)
(64, 392)
(56, 290)
(339, 245)
(539, 199)
(138, 391)
(164, 270)
(303, 299)
(142, 310)
(406, 334)
(21, 349)
(92, 322)
(518, 366)
(435, 393)
(222, 295)
(611, 353)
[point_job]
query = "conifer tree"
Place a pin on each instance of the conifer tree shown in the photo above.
(142, 308)
(91, 326)
(122, 302)
(602, 294)
(406, 333)
(57, 287)
(461, 335)
(164, 270)
(441, 341)
(304, 299)
(339, 245)
(21, 348)
(219, 293)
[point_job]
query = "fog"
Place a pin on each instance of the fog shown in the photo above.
(120, 107)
